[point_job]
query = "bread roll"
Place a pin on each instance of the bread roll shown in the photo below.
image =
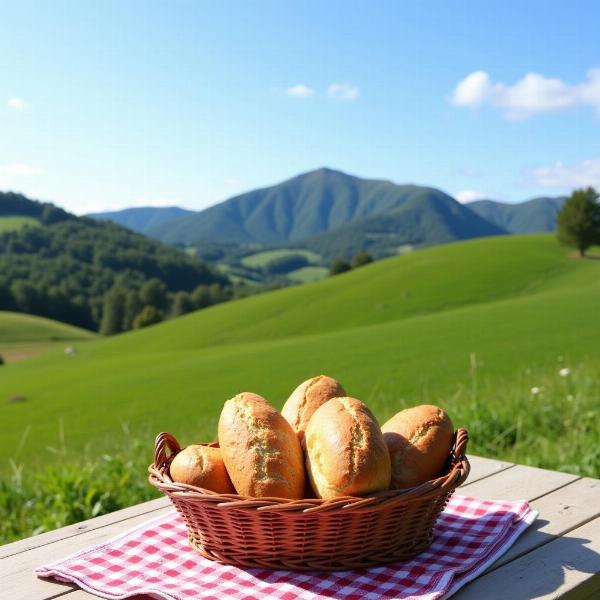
(345, 451)
(306, 398)
(260, 449)
(203, 467)
(419, 440)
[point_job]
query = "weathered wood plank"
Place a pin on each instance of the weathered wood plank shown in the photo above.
(568, 567)
(560, 511)
(519, 483)
(16, 572)
(484, 467)
(83, 526)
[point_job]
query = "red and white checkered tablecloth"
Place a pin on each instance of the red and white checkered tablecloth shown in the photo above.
(155, 559)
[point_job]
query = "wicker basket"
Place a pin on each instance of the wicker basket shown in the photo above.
(310, 534)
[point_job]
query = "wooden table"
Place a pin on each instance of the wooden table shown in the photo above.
(558, 556)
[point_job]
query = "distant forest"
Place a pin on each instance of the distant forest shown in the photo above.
(97, 275)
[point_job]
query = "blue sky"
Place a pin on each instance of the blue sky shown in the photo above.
(114, 104)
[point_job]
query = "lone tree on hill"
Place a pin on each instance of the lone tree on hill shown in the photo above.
(578, 222)
(339, 266)
(361, 259)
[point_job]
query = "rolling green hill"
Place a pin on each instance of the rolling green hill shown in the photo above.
(403, 330)
(25, 336)
(17, 327)
(535, 215)
(320, 201)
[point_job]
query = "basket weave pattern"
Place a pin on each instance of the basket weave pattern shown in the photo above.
(310, 534)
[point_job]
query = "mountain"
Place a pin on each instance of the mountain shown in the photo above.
(323, 200)
(143, 218)
(427, 217)
(63, 267)
(535, 215)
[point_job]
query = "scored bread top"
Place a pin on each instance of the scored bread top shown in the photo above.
(419, 440)
(306, 398)
(346, 453)
(260, 449)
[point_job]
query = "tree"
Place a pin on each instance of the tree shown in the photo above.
(360, 259)
(149, 315)
(133, 306)
(154, 293)
(182, 304)
(26, 296)
(339, 266)
(201, 297)
(113, 311)
(578, 222)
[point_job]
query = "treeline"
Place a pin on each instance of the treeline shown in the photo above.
(71, 268)
(127, 307)
(12, 204)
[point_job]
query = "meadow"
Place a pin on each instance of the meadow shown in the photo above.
(502, 332)
(13, 223)
(24, 336)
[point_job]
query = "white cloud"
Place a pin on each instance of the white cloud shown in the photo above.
(300, 91)
(343, 91)
(16, 103)
(469, 196)
(20, 170)
(575, 175)
(532, 94)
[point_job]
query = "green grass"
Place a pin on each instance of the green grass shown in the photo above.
(308, 274)
(398, 332)
(473, 327)
(262, 259)
(25, 336)
(19, 327)
(14, 223)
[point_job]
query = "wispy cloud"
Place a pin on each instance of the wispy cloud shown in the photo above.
(16, 103)
(300, 90)
(530, 95)
(574, 175)
(343, 91)
(469, 196)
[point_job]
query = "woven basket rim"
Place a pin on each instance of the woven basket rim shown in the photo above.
(158, 476)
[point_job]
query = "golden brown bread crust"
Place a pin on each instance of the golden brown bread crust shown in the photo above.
(345, 451)
(306, 398)
(203, 467)
(419, 440)
(260, 449)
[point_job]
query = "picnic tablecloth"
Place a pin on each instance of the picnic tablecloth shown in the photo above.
(155, 559)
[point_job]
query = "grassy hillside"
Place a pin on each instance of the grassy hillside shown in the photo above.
(431, 280)
(262, 259)
(25, 336)
(401, 331)
(16, 223)
(18, 327)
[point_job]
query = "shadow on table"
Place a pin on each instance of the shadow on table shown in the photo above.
(539, 566)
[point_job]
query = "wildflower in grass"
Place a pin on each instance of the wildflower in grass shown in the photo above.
(535, 391)
(564, 372)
